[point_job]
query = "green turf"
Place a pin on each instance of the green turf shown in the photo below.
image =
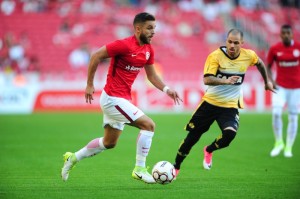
(32, 147)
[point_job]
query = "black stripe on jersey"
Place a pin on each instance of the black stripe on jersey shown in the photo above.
(114, 65)
(239, 104)
(207, 75)
(226, 76)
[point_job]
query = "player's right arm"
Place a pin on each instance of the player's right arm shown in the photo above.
(96, 58)
(210, 70)
(270, 60)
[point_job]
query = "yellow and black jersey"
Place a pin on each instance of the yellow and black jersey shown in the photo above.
(220, 65)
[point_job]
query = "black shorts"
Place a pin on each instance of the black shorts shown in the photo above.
(207, 113)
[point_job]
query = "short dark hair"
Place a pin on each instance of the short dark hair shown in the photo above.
(143, 17)
(286, 26)
(234, 31)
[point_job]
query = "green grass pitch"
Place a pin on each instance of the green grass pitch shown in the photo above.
(32, 147)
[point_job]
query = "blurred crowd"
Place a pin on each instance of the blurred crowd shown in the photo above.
(15, 54)
(205, 21)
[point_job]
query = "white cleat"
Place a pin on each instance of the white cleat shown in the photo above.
(288, 152)
(277, 149)
(141, 173)
(69, 163)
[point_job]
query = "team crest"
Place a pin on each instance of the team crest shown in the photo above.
(296, 53)
(147, 55)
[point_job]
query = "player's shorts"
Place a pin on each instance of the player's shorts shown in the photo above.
(118, 111)
(207, 113)
(289, 97)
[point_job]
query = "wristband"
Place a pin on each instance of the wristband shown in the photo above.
(165, 89)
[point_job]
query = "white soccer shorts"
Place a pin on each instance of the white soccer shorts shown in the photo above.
(117, 111)
(290, 97)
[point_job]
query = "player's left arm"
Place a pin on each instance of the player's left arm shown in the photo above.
(262, 69)
(157, 82)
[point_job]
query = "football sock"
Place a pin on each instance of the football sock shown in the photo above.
(185, 147)
(277, 126)
(222, 141)
(292, 130)
(143, 145)
(92, 148)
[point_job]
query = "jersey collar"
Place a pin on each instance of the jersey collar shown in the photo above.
(224, 50)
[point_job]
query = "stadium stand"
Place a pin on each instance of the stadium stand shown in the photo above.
(186, 31)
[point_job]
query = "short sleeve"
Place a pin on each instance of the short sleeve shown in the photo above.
(117, 47)
(150, 61)
(254, 58)
(211, 65)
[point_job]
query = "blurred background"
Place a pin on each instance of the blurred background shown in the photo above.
(45, 46)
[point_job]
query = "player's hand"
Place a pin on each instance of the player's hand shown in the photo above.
(233, 79)
(174, 95)
(89, 91)
(270, 86)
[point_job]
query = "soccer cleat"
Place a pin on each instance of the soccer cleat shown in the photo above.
(69, 162)
(278, 147)
(288, 152)
(207, 162)
(141, 173)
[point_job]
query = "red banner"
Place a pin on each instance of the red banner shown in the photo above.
(65, 101)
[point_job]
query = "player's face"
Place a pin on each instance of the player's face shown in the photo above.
(147, 32)
(286, 36)
(234, 43)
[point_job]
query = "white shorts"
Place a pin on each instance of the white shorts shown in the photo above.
(118, 111)
(290, 97)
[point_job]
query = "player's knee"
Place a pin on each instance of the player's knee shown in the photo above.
(148, 125)
(228, 136)
(277, 111)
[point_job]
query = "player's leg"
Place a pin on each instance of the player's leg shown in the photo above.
(228, 121)
(143, 145)
(94, 147)
(293, 97)
(130, 114)
(108, 141)
(112, 132)
(200, 122)
(278, 101)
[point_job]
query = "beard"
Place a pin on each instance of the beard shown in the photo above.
(287, 42)
(144, 39)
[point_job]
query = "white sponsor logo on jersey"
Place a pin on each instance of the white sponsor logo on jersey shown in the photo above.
(296, 53)
(288, 64)
(132, 68)
(147, 55)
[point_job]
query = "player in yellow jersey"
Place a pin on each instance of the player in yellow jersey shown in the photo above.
(224, 73)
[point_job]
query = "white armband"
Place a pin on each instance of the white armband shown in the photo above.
(165, 89)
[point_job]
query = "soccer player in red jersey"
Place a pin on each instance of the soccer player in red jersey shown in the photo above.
(129, 57)
(286, 54)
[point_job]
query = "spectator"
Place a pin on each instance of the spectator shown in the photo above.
(79, 57)
(8, 7)
(91, 7)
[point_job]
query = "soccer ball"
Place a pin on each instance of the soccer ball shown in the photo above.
(163, 172)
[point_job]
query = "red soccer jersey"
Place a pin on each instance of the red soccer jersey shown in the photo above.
(128, 58)
(288, 64)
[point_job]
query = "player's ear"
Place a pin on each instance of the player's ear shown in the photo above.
(138, 28)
